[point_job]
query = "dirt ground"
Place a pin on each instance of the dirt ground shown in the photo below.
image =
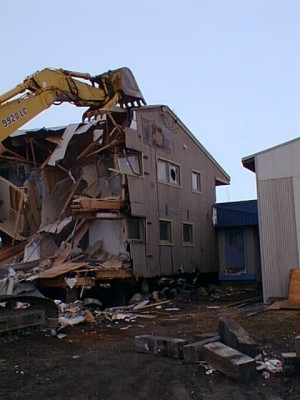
(99, 361)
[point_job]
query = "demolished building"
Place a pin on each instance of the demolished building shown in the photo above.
(126, 196)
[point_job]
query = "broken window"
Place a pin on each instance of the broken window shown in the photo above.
(165, 231)
(196, 181)
(187, 233)
(136, 229)
(129, 162)
(168, 172)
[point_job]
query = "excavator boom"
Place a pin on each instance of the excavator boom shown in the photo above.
(49, 86)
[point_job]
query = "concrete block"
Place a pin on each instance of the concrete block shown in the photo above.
(233, 335)
(160, 345)
(290, 364)
(174, 347)
(194, 352)
(230, 362)
(198, 337)
(143, 344)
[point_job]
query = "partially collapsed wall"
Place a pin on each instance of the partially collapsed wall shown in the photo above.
(128, 195)
(63, 201)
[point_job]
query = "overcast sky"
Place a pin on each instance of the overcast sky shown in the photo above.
(230, 69)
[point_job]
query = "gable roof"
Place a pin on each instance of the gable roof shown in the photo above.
(249, 161)
(220, 180)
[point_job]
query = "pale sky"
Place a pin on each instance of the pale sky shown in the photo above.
(229, 69)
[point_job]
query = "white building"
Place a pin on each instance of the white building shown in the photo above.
(278, 190)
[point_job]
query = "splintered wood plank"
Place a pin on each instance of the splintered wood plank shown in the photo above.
(9, 253)
(61, 269)
(109, 274)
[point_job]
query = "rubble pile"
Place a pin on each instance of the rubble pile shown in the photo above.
(91, 311)
(231, 351)
(63, 202)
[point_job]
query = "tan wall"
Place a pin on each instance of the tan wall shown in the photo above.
(155, 200)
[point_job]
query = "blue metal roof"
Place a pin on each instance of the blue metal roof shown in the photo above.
(236, 213)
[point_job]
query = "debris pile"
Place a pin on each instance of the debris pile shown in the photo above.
(91, 311)
(64, 203)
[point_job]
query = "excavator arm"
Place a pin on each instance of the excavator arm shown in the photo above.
(49, 86)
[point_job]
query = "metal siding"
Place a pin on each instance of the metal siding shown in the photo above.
(137, 195)
(133, 139)
(222, 250)
(237, 213)
(296, 186)
(176, 203)
(251, 251)
(138, 254)
(277, 235)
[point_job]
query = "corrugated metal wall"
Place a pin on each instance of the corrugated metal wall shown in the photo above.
(278, 234)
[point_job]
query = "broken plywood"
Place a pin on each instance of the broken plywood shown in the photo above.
(59, 153)
(61, 270)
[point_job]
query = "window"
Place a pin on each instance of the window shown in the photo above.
(168, 172)
(196, 181)
(136, 229)
(165, 232)
(187, 233)
(129, 162)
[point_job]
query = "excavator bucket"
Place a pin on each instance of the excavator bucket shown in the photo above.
(122, 81)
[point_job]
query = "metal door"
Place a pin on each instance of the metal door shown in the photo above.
(235, 249)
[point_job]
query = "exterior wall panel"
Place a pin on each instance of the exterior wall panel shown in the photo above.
(165, 138)
(278, 235)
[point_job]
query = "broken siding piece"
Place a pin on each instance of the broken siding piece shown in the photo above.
(56, 227)
(59, 153)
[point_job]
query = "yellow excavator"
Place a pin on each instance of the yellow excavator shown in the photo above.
(54, 86)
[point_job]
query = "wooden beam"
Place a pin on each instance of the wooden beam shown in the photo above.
(88, 205)
(111, 274)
